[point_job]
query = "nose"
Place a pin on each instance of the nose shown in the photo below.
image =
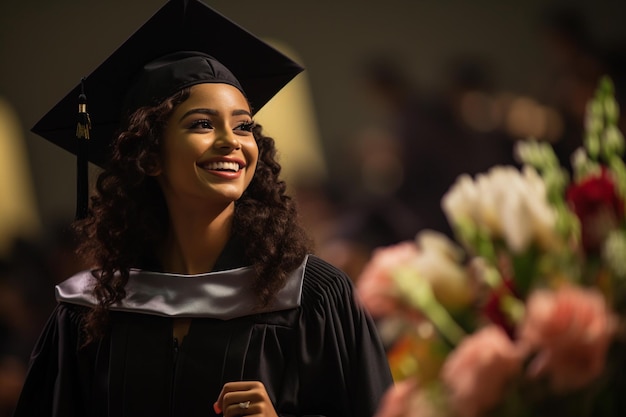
(226, 139)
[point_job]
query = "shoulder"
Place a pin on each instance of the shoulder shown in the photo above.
(324, 281)
(69, 313)
(64, 324)
(319, 273)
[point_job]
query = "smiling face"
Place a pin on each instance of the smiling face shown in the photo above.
(208, 151)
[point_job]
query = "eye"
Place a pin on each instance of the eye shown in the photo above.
(201, 124)
(246, 126)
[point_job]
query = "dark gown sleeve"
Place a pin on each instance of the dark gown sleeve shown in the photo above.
(343, 369)
(53, 386)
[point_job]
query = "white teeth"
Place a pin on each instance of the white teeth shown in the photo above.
(221, 166)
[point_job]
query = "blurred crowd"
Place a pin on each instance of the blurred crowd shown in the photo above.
(28, 272)
(420, 141)
(401, 166)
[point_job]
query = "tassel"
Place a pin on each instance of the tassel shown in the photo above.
(82, 136)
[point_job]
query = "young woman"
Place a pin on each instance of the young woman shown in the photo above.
(203, 299)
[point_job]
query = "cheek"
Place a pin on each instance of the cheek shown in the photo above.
(181, 151)
(252, 170)
(252, 156)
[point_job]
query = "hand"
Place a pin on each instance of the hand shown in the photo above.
(244, 398)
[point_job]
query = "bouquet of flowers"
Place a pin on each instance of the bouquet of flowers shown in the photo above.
(523, 314)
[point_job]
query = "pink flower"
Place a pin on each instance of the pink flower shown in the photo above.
(396, 401)
(375, 285)
(405, 399)
(571, 330)
(477, 371)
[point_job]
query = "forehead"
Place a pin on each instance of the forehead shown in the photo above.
(216, 96)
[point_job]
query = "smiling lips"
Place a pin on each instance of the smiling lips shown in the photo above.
(227, 169)
(221, 166)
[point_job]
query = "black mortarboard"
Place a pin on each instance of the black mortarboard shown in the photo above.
(154, 60)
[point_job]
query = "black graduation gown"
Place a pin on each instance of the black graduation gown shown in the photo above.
(318, 357)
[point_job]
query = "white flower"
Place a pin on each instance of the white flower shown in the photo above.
(505, 203)
(431, 241)
(463, 202)
(613, 252)
(439, 263)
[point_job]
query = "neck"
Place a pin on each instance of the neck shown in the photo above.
(196, 238)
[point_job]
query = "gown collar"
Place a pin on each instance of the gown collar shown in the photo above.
(224, 294)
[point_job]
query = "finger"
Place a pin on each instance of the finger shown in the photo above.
(236, 398)
(218, 406)
(254, 409)
(242, 408)
(238, 386)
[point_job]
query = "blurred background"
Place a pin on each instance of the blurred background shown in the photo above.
(398, 99)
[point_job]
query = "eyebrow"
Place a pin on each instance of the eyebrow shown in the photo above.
(213, 112)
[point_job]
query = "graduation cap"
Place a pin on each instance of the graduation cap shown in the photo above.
(183, 44)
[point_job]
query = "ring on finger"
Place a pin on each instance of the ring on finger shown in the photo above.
(244, 404)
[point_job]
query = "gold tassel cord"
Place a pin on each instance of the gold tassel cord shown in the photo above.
(83, 128)
(84, 122)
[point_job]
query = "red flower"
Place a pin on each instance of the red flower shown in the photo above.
(492, 309)
(598, 207)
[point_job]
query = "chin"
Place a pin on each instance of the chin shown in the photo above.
(227, 197)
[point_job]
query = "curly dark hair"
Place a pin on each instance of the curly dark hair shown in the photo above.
(128, 215)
